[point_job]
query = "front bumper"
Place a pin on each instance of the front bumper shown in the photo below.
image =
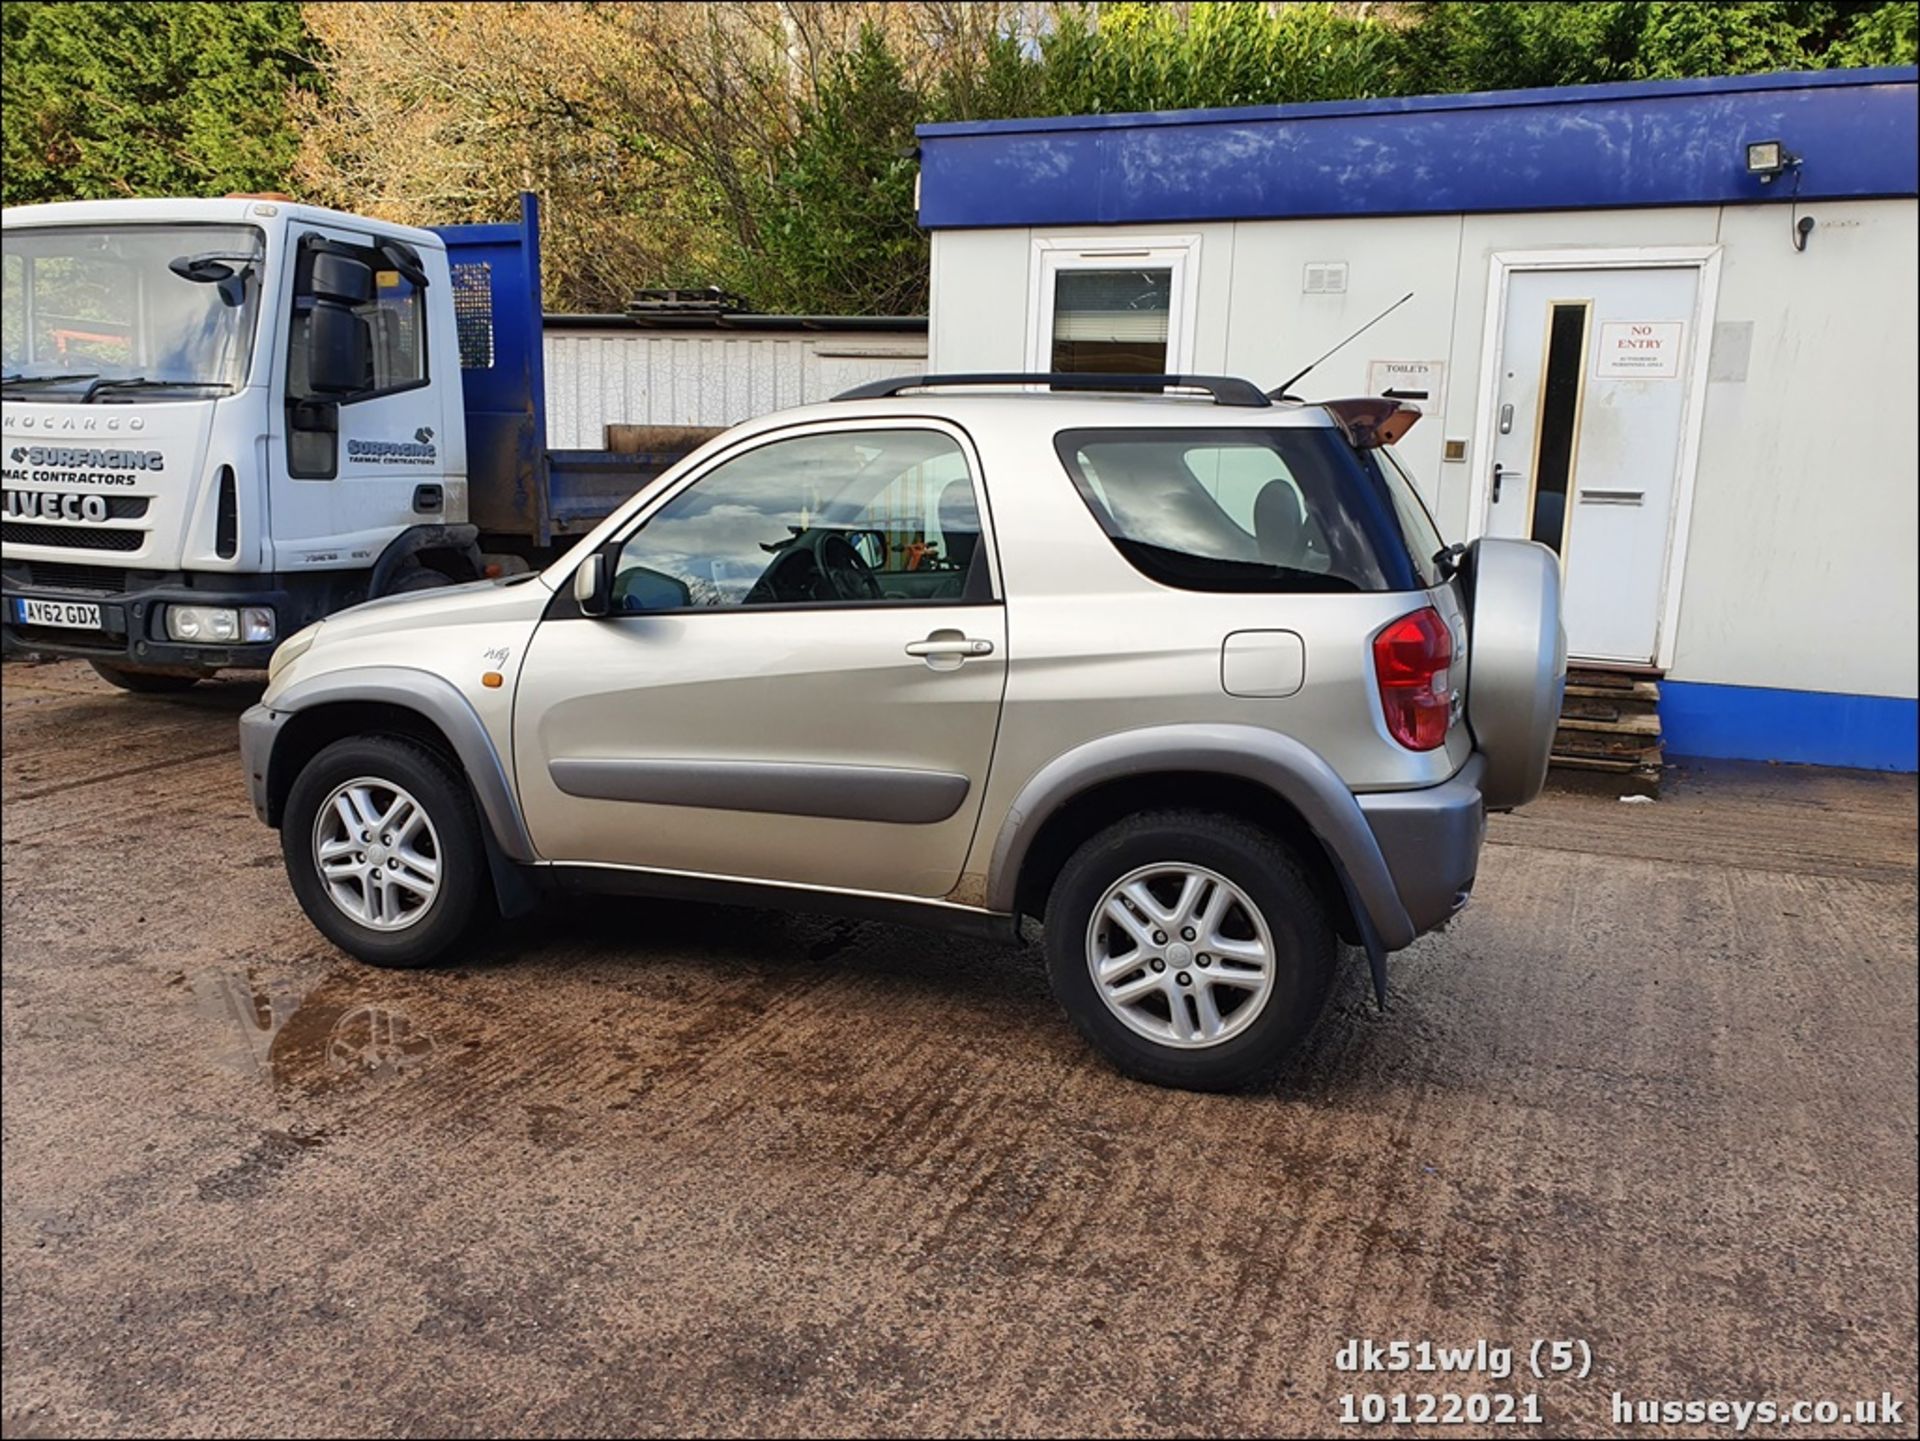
(1430, 839)
(259, 728)
(133, 626)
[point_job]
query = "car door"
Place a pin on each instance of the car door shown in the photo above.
(800, 677)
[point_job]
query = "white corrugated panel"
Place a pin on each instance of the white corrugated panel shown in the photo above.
(597, 378)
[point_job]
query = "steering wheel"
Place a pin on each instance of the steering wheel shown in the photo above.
(847, 574)
(794, 575)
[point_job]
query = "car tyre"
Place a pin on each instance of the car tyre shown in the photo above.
(1269, 906)
(370, 774)
(145, 682)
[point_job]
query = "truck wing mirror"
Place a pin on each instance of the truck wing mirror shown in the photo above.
(590, 584)
(404, 258)
(338, 350)
(346, 279)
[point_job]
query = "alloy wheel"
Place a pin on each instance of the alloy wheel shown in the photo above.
(377, 853)
(1180, 954)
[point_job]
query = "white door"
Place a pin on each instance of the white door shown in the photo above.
(1591, 408)
(341, 490)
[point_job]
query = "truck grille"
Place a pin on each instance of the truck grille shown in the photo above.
(71, 537)
(91, 579)
(119, 507)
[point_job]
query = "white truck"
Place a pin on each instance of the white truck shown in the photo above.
(225, 419)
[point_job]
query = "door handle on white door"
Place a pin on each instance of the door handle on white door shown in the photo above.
(949, 644)
(1500, 473)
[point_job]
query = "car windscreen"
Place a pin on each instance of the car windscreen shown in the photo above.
(1241, 509)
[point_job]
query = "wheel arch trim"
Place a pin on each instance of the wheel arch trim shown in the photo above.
(433, 698)
(1292, 771)
(415, 539)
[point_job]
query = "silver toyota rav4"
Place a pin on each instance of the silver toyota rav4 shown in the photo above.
(1188, 677)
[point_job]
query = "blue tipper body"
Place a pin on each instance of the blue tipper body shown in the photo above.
(515, 484)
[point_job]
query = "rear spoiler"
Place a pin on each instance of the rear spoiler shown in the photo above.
(1372, 421)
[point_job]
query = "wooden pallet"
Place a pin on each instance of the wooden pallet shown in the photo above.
(1609, 729)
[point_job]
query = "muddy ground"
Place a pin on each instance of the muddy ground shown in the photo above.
(669, 1169)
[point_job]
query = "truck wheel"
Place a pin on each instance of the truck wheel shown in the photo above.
(384, 851)
(1189, 948)
(145, 682)
(418, 577)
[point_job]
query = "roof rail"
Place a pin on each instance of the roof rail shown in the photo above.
(1225, 389)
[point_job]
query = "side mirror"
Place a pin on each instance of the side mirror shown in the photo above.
(340, 278)
(338, 355)
(590, 584)
(338, 345)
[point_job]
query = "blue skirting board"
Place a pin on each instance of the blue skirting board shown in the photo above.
(1737, 722)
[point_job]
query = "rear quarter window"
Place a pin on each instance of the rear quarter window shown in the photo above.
(1242, 509)
(1417, 529)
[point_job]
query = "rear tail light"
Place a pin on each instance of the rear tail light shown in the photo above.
(1411, 661)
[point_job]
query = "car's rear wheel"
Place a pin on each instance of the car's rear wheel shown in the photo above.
(1190, 949)
(384, 852)
(146, 682)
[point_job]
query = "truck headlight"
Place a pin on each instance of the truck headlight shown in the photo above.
(219, 625)
(202, 623)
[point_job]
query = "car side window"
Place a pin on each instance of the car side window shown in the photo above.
(858, 517)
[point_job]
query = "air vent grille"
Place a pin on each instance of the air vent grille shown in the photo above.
(1325, 277)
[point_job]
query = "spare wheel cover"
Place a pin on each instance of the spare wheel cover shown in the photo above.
(1516, 665)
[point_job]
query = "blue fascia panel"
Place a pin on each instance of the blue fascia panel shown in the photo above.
(1587, 147)
(1753, 723)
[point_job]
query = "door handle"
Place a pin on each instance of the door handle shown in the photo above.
(1496, 482)
(949, 646)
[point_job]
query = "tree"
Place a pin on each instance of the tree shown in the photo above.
(1165, 57)
(147, 99)
(441, 113)
(835, 227)
(761, 144)
(1879, 35)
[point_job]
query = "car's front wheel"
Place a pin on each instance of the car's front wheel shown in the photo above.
(384, 850)
(1189, 948)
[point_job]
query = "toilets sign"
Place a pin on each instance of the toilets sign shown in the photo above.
(1640, 349)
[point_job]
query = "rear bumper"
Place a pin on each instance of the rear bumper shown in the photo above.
(1430, 840)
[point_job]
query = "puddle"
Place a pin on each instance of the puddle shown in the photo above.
(311, 1039)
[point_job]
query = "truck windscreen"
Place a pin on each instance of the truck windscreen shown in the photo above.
(119, 311)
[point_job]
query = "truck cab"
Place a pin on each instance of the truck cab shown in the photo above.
(225, 419)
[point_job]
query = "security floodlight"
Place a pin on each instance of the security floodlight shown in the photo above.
(1767, 158)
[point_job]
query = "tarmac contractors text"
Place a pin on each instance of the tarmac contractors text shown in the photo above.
(1883, 1410)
